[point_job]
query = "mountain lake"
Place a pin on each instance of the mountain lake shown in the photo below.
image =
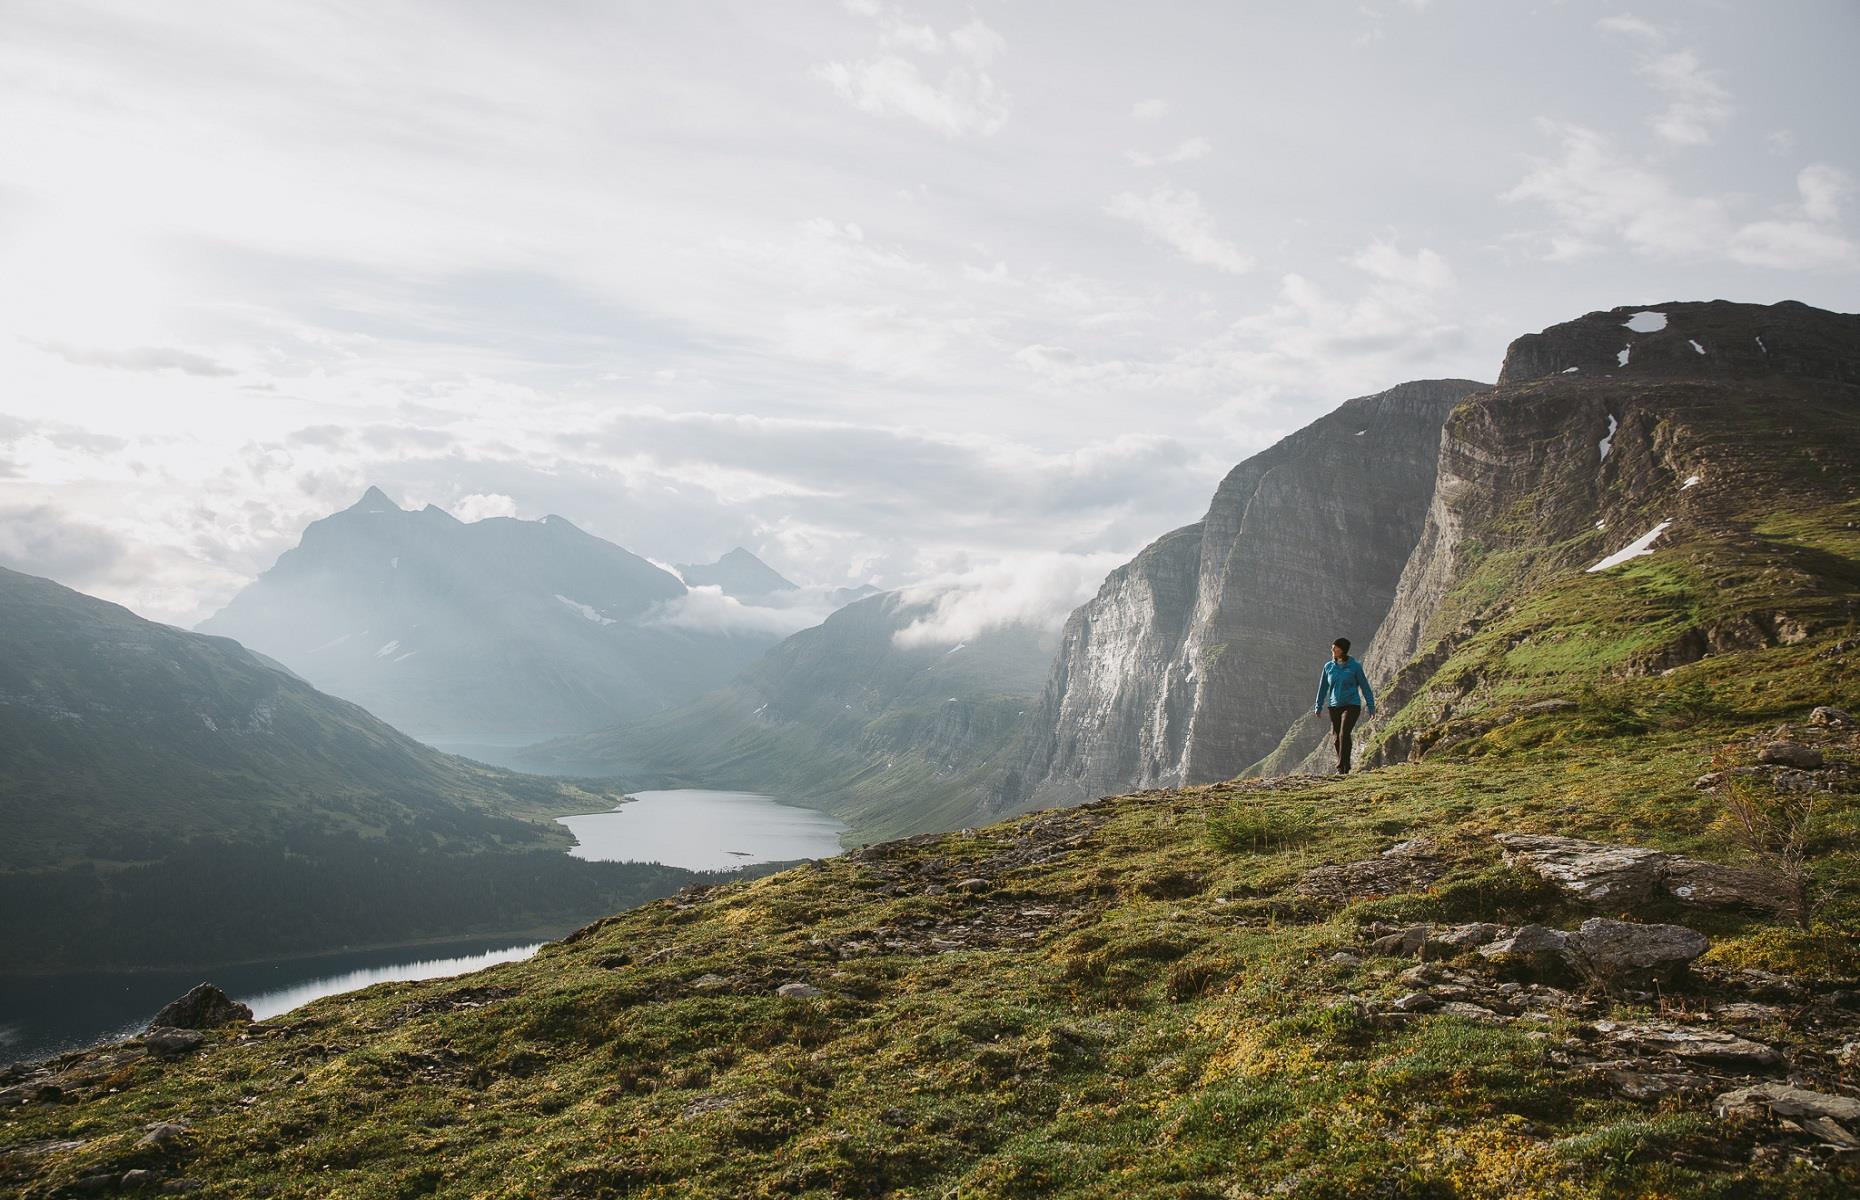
(694, 828)
(704, 830)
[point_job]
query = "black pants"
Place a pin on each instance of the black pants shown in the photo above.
(1342, 721)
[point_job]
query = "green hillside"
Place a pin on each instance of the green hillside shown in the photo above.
(172, 798)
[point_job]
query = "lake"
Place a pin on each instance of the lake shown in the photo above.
(688, 827)
(45, 1014)
(704, 830)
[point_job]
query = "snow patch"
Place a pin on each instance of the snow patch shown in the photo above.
(1646, 322)
(1601, 524)
(1695, 346)
(1762, 347)
(334, 642)
(1571, 370)
(1360, 433)
(406, 656)
(388, 649)
(394, 563)
(1608, 443)
(1634, 549)
(954, 648)
(1691, 481)
(587, 611)
(1622, 357)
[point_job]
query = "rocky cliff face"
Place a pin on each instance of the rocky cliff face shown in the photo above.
(1194, 657)
(1600, 430)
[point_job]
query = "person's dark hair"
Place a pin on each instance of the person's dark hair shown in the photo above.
(1342, 644)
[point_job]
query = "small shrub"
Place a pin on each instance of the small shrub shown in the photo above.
(1780, 829)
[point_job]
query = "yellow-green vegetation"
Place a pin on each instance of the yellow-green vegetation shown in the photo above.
(1124, 999)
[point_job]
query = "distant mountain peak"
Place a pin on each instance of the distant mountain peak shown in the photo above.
(739, 574)
(375, 500)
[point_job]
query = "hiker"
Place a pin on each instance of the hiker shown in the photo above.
(1343, 688)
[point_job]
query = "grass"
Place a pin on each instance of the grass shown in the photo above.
(1169, 1029)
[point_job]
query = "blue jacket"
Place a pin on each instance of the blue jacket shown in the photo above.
(1338, 684)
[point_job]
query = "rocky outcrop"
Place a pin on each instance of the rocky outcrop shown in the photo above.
(1194, 657)
(203, 1007)
(1599, 873)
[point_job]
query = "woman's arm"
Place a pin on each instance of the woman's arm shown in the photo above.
(1368, 694)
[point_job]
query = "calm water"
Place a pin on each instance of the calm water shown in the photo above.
(700, 830)
(41, 1015)
(705, 831)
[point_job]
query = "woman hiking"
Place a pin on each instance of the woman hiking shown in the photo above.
(1342, 688)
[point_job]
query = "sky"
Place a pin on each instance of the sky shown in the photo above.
(989, 294)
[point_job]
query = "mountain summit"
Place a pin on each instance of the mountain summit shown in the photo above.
(740, 574)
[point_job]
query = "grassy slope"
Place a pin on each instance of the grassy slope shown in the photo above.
(1128, 1008)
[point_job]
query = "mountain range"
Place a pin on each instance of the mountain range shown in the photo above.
(494, 633)
(170, 797)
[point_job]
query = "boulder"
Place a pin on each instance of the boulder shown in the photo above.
(163, 1134)
(173, 1043)
(1619, 954)
(1537, 949)
(1791, 754)
(1592, 872)
(1827, 716)
(204, 1007)
(1415, 1002)
(799, 991)
(1401, 943)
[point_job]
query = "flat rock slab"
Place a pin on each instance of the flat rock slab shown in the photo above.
(1601, 873)
(1404, 867)
(1629, 954)
(1689, 1043)
(1786, 1100)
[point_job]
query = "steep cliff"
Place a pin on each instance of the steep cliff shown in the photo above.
(1192, 659)
(1680, 425)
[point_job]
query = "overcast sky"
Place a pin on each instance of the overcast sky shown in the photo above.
(994, 290)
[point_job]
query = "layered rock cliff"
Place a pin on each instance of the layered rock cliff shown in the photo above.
(1600, 431)
(1193, 658)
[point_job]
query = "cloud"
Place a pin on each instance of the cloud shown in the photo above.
(1150, 110)
(1177, 217)
(964, 100)
(1187, 150)
(1696, 102)
(707, 608)
(480, 505)
(1601, 198)
(1036, 590)
(138, 358)
(39, 540)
